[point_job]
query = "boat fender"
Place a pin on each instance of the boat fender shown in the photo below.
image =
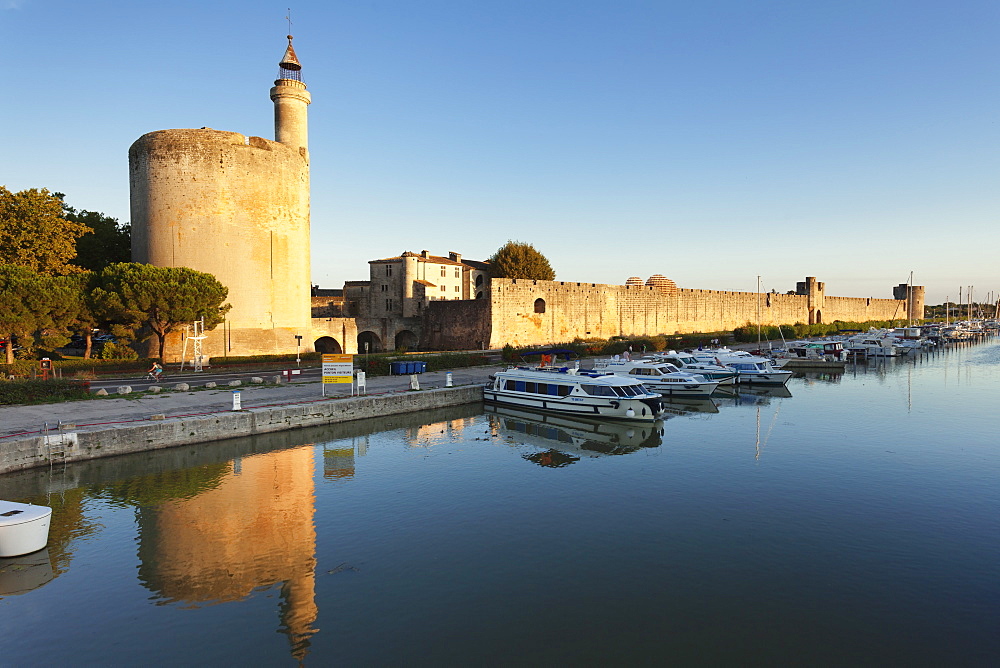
(630, 412)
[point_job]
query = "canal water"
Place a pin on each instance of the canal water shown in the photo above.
(850, 519)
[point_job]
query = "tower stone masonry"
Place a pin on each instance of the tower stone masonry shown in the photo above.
(236, 207)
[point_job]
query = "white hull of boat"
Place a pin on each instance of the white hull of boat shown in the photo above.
(585, 407)
(24, 528)
(776, 377)
(589, 395)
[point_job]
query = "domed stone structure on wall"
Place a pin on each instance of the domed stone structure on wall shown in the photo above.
(662, 283)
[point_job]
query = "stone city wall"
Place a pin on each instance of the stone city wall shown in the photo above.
(456, 325)
(526, 312)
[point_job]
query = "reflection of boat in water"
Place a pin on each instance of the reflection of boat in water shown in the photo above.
(816, 375)
(565, 439)
(19, 575)
(682, 405)
(754, 395)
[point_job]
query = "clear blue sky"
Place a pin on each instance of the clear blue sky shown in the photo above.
(710, 141)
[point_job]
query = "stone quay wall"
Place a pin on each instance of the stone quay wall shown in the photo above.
(23, 453)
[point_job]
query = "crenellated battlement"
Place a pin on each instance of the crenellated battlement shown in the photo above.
(528, 312)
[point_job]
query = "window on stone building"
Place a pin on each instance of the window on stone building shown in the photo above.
(458, 272)
(443, 288)
(385, 287)
(444, 272)
(388, 304)
(388, 270)
(456, 288)
(539, 305)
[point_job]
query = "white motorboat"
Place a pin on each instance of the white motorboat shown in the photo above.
(687, 362)
(750, 368)
(661, 377)
(24, 528)
(819, 354)
(819, 349)
(874, 345)
(566, 390)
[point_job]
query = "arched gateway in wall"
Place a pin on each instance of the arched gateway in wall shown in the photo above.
(369, 342)
(328, 345)
(406, 340)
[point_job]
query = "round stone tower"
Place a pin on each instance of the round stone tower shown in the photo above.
(290, 99)
(236, 207)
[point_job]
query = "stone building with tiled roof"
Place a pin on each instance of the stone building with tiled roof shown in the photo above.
(390, 305)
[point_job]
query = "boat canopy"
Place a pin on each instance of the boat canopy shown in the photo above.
(551, 351)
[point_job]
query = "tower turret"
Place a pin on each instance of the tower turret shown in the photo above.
(290, 99)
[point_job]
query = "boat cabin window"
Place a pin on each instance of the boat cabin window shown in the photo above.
(551, 389)
(599, 390)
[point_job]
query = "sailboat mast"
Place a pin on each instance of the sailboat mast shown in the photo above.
(758, 313)
(909, 303)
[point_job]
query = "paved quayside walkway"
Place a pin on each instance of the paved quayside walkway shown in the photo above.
(98, 414)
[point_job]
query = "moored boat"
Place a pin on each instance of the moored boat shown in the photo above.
(24, 528)
(569, 391)
(661, 377)
(750, 368)
(723, 375)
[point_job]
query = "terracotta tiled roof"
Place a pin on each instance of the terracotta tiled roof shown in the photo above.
(476, 264)
(423, 282)
(433, 259)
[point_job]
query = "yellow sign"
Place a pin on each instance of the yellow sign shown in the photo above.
(338, 368)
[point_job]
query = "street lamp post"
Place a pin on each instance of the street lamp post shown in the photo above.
(298, 345)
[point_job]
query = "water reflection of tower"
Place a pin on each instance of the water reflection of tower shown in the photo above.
(252, 530)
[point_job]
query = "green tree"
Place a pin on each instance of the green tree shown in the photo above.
(24, 306)
(147, 300)
(34, 233)
(516, 259)
(107, 242)
(65, 305)
(80, 313)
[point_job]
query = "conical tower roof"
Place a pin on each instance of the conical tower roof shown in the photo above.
(290, 61)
